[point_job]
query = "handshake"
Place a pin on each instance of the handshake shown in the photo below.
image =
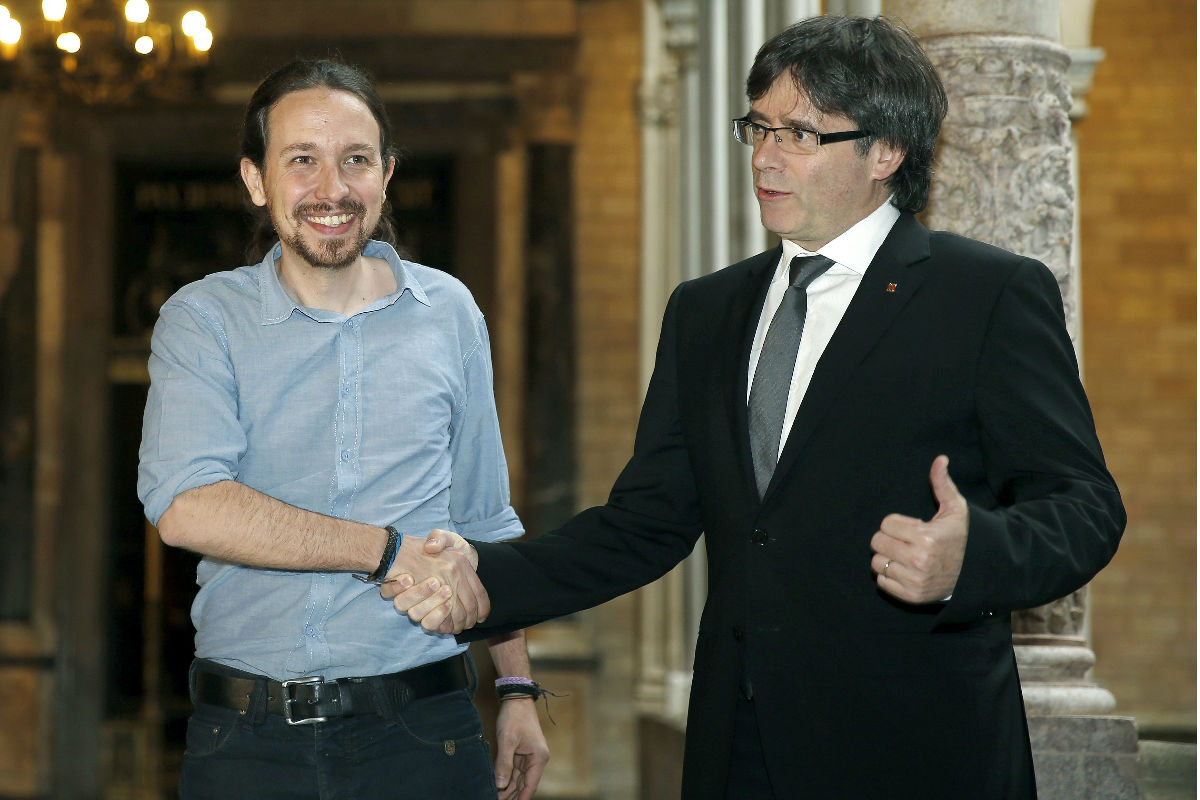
(434, 582)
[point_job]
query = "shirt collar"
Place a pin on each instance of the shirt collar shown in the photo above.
(855, 248)
(277, 305)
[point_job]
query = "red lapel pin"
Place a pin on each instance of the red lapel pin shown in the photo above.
(891, 287)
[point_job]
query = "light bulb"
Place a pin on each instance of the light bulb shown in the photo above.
(10, 31)
(193, 22)
(137, 11)
(69, 42)
(54, 10)
(203, 40)
(144, 45)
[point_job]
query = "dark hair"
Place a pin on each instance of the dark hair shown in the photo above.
(295, 77)
(873, 72)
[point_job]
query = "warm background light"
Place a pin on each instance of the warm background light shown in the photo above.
(10, 31)
(193, 22)
(54, 10)
(137, 11)
(116, 66)
(68, 41)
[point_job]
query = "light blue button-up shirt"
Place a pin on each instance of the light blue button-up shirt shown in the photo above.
(384, 417)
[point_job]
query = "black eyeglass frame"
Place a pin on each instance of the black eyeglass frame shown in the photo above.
(822, 138)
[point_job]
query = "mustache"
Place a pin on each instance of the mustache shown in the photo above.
(326, 209)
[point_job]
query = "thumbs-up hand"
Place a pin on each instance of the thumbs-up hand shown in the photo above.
(919, 561)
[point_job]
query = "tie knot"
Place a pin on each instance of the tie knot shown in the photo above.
(806, 269)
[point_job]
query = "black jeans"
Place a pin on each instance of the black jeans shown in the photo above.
(433, 749)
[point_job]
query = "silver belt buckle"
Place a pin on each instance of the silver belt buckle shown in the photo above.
(288, 699)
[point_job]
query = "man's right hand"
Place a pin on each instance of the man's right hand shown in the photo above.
(448, 597)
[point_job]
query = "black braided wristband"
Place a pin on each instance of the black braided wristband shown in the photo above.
(515, 690)
(389, 556)
(518, 688)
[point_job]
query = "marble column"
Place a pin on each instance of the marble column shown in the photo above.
(1005, 174)
(667, 105)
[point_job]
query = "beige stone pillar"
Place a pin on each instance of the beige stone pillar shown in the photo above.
(1004, 174)
(670, 64)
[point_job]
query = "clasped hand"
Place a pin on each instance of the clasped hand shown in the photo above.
(433, 581)
(919, 561)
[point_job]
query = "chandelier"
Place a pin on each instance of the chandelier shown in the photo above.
(102, 52)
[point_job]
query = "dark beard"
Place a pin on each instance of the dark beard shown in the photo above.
(333, 254)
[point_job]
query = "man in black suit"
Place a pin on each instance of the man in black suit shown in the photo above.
(856, 640)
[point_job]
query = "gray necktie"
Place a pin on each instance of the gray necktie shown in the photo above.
(776, 360)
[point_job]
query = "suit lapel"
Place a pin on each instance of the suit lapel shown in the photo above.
(891, 279)
(745, 307)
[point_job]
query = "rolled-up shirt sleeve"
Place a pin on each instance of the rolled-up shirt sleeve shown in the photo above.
(479, 490)
(191, 435)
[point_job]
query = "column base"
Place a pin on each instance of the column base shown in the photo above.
(1085, 758)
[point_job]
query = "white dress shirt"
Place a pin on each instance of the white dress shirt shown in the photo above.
(828, 298)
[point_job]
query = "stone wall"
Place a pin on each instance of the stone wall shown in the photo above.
(607, 224)
(1137, 204)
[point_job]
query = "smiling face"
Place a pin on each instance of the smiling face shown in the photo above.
(812, 199)
(323, 177)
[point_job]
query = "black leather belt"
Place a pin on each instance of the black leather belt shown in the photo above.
(307, 700)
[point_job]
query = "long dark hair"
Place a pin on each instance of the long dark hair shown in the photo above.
(873, 72)
(295, 77)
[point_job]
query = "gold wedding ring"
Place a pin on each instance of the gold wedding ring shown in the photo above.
(885, 568)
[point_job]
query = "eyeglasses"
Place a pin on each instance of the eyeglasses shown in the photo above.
(796, 141)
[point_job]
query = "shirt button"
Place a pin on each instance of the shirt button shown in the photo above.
(738, 635)
(759, 536)
(347, 455)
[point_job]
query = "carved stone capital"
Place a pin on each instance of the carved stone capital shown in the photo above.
(1062, 618)
(1003, 169)
(682, 28)
(1084, 61)
(658, 99)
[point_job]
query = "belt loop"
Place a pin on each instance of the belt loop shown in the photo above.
(256, 711)
(390, 698)
(193, 668)
(472, 674)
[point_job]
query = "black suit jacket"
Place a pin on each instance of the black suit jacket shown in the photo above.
(948, 346)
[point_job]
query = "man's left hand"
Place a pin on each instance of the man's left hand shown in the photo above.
(522, 751)
(919, 561)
